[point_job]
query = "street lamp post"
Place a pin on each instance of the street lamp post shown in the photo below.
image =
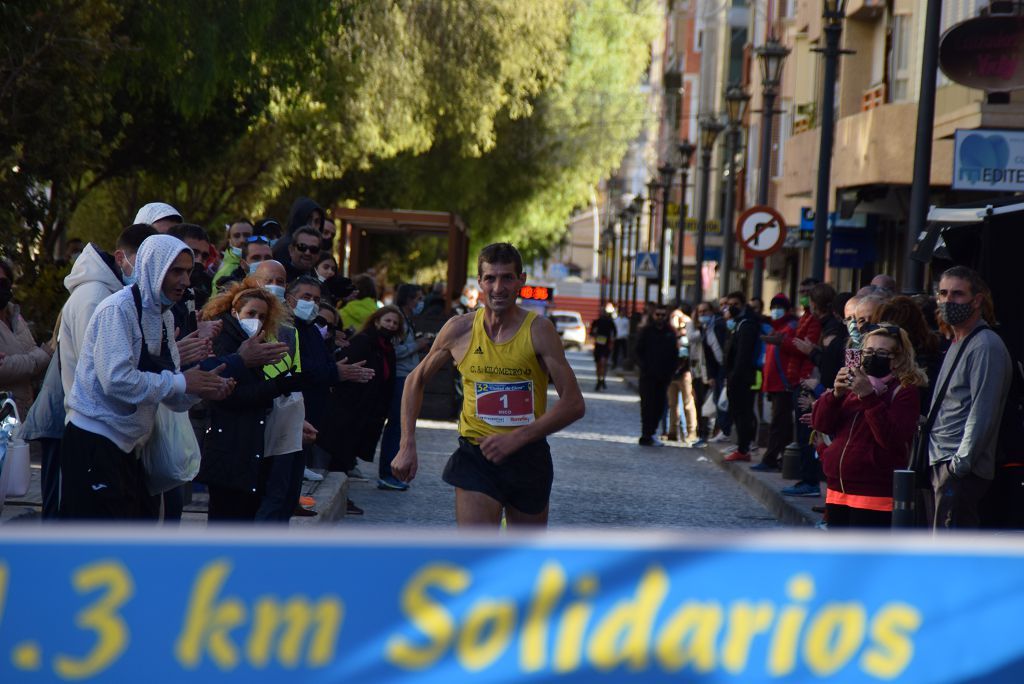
(833, 28)
(652, 193)
(667, 172)
(637, 212)
(735, 106)
(772, 55)
(686, 150)
(710, 127)
(619, 296)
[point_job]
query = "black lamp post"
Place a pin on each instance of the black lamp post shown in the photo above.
(621, 265)
(686, 150)
(667, 172)
(636, 212)
(710, 127)
(652, 193)
(735, 107)
(772, 55)
(833, 27)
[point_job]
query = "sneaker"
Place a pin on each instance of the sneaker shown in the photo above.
(737, 456)
(802, 489)
(356, 475)
(719, 438)
(352, 509)
(393, 483)
(307, 501)
(650, 442)
(312, 475)
(672, 437)
(763, 467)
(699, 444)
(303, 512)
(597, 387)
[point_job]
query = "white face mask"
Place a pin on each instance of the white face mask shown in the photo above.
(778, 313)
(275, 290)
(305, 310)
(251, 326)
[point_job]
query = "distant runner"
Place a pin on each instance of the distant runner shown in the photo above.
(505, 355)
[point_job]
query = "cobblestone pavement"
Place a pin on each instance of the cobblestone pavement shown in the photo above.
(602, 477)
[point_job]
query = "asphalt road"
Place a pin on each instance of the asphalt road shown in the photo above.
(603, 478)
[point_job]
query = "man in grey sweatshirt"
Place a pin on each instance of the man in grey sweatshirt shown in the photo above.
(962, 442)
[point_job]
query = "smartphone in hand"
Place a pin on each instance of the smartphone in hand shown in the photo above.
(853, 358)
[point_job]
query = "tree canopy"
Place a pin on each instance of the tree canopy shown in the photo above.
(505, 112)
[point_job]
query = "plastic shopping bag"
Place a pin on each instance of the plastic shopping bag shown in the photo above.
(171, 456)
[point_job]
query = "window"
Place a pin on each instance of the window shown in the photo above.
(899, 67)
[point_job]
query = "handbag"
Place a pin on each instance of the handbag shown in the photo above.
(919, 461)
(171, 456)
(15, 471)
(707, 409)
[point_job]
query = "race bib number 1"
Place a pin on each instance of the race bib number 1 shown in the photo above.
(505, 403)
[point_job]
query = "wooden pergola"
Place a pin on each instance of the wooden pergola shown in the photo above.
(358, 226)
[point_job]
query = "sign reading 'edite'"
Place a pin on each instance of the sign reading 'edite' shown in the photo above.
(267, 606)
(988, 159)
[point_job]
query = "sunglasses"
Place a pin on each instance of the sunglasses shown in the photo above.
(258, 238)
(305, 249)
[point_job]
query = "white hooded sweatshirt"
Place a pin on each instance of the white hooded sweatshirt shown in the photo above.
(111, 397)
(90, 282)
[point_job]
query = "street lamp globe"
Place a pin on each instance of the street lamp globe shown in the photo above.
(772, 55)
(710, 127)
(686, 150)
(834, 11)
(736, 100)
(667, 172)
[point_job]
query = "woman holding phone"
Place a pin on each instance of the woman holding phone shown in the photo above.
(872, 414)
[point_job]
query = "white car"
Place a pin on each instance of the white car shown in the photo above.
(569, 325)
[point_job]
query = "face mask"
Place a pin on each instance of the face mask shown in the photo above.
(251, 326)
(165, 300)
(731, 324)
(418, 309)
(305, 310)
(321, 278)
(237, 251)
(805, 301)
(129, 278)
(275, 290)
(253, 266)
(954, 313)
(5, 297)
(273, 242)
(734, 312)
(855, 336)
(464, 300)
(705, 320)
(778, 313)
(325, 331)
(876, 366)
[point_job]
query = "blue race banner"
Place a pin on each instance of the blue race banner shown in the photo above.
(253, 605)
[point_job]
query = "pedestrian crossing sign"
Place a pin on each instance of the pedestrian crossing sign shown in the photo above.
(647, 264)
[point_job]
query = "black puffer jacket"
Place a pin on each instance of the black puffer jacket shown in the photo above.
(233, 445)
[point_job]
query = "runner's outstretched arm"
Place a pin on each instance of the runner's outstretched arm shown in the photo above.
(405, 463)
(568, 410)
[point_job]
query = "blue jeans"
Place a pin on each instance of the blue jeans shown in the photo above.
(392, 435)
(810, 469)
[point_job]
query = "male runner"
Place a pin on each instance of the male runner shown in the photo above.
(505, 355)
(602, 329)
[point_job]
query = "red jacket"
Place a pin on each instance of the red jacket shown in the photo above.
(870, 438)
(799, 366)
(773, 374)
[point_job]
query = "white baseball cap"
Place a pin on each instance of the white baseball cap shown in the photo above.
(154, 211)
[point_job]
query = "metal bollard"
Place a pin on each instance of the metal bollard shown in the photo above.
(903, 499)
(791, 462)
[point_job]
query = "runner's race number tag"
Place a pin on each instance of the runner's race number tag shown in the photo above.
(505, 403)
(601, 339)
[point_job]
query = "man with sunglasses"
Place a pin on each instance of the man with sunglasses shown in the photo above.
(255, 250)
(657, 354)
(302, 253)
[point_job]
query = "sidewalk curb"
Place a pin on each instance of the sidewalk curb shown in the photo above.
(331, 495)
(765, 487)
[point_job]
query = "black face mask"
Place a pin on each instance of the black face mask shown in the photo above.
(5, 297)
(734, 312)
(877, 366)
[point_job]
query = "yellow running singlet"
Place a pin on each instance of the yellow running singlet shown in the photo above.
(504, 385)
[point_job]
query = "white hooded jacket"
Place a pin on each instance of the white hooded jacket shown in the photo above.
(90, 282)
(111, 397)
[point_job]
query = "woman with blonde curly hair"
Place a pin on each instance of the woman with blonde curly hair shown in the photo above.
(872, 414)
(235, 466)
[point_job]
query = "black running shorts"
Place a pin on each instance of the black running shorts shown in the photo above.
(521, 481)
(602, 351)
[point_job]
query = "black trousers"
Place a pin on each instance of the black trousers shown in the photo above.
(781, 431)
(284, 485)
(98, 480)
(741, 408)
(845, 516)
(700, 392)
(653, 400)
(50, 477)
